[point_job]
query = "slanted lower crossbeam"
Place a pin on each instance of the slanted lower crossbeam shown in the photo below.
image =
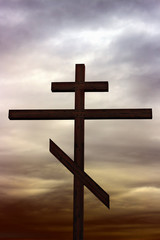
(82, 176)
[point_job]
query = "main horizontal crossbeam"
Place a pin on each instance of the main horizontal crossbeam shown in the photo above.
(84, 178)
(86, 86)
(66, 114)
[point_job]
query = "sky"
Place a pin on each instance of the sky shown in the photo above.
(119, 42)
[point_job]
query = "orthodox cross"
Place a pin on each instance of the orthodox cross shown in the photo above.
(79, 114)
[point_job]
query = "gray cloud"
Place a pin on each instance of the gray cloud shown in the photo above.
(34, 21)
(138, 48)
(134, 64)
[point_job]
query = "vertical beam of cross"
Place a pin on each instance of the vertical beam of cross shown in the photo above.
(79, 154)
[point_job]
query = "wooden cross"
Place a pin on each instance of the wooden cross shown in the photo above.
(79, 114)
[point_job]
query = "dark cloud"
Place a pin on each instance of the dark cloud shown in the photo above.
(38, 217)
(34, 21)
(134, 65)
(123, 227)
(137, 48)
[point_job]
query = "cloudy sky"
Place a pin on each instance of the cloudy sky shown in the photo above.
(119, 42)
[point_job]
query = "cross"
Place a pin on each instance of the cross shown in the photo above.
(79, 114)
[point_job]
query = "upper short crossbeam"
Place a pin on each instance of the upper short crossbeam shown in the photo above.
(73, 86)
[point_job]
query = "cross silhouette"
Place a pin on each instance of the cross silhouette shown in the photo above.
(79, 114)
